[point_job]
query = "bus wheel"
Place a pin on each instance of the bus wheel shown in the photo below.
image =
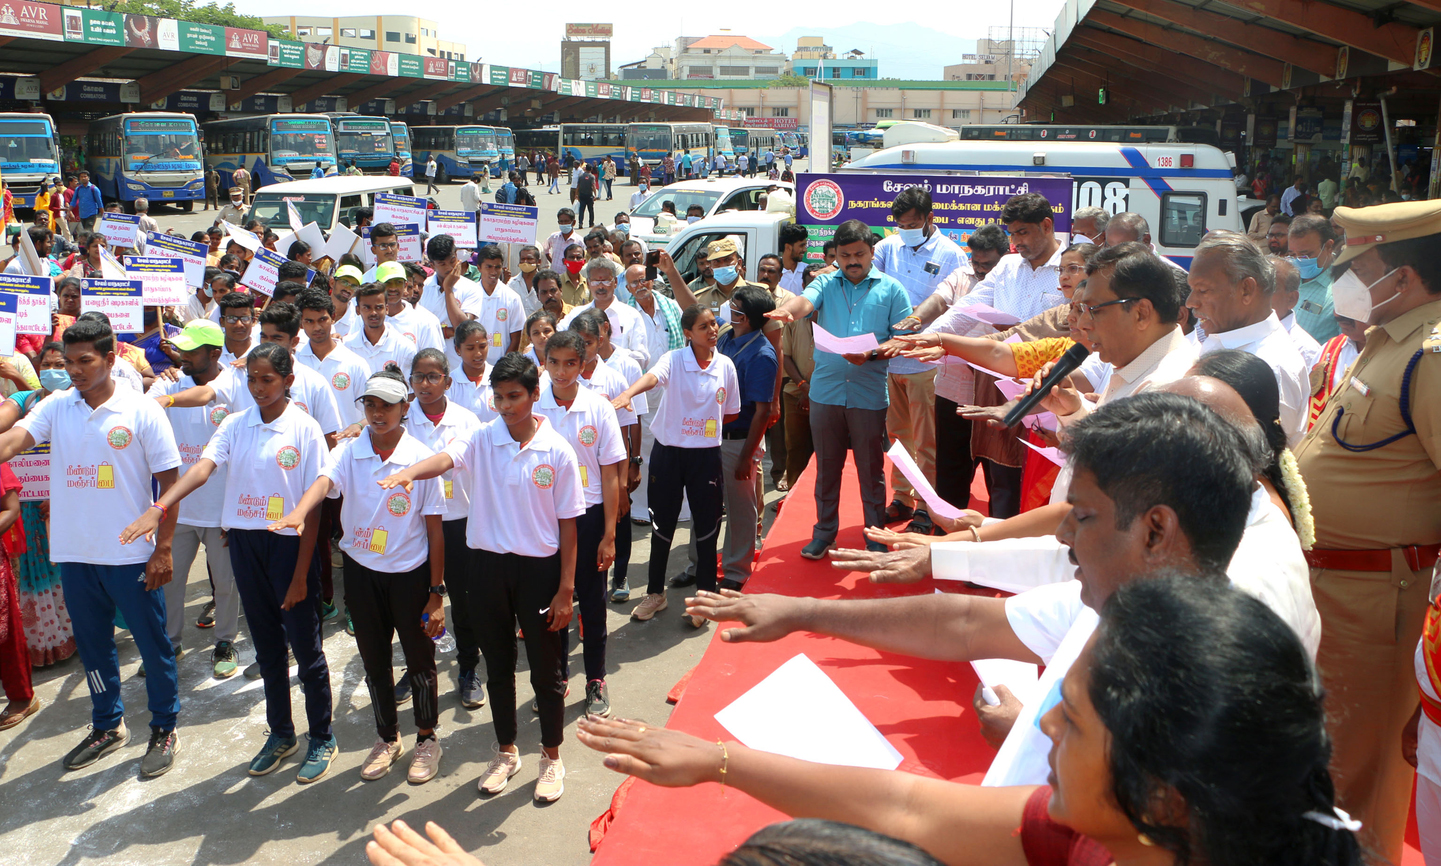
(441, 175)
(187, 206)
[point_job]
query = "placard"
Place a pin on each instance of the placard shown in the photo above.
(162, 279)
(412, 248)
(32, 294)
(244, 237)
(508, 223)
(32, 467)
(342, 241)
(459, 224)
(263, 272)
(120, 229)
(192, 253)
(399, 209)
(123, 301)
(8, 306)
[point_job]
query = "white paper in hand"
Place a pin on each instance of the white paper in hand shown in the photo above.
(857, 345)
(1050, 453)
(1019, 677)
(903, 461)
(801, 713)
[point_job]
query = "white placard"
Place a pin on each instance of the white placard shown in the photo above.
(342, 241)
(192, 253)
(1019, 677)
(800, 712)
(32, 294)
(907, 466)
(459, 224)
(120, 229)
(32, 467)
(8, 306)
(163, 279)
(247, 239)
(263, 272)
(857, 345)
(508, 223)
(30, 259)
(123, 301)
(314, 237)
(390, 208)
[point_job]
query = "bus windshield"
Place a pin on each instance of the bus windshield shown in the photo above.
(505, 140)
(470, 140)
(25, 142)
(299, 139)
(270, 207)
(651, 137)
(161, 145)
(365, 138)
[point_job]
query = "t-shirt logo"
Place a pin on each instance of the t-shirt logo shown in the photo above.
(287, 457)
(119, 438)
(720, 396)
(218, 414)
(398, 503)
(410, 337)
(543, 476)
(304, 408)
(340, 381)
(502, 314)
(587, 435)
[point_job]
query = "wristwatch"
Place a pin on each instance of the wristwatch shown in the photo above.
(873, 354)
(637, 460)
(438, 590)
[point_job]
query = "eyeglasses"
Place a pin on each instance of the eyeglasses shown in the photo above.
(426, 378)
(1090, 309)
(1073, 269)
(237, 320)
(393, 245)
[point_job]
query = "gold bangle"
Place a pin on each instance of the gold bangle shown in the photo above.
(976, 534)
(725, 762)
(171, 404)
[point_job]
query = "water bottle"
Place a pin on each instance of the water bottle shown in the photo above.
(445, 642)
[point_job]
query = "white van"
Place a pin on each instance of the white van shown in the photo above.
(714, 195)
(1183, 190)
(328, 201)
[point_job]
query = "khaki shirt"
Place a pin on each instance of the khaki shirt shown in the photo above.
(798, 342)
(1391, 496)
(573, 290)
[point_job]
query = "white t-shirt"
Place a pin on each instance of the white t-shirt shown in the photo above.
(536, 487)
(101, 462)
(310, 393)
(193, 429)
(612, 382)
(695, 401)
(432, 300)
(419, 326)
(392, 346)
(345, 373)
(474, 396)
(502, 314)
(384, 529)
(627, 328)
(124, 371)
(456, 422)
(268, 467)
(590, 428)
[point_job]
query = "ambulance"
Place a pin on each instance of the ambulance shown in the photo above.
(1183, 190)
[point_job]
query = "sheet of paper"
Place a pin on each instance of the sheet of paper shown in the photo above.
(247, 239)
(1046, 421)
(30, 259)
(1052, 454)
(903, 461)
(800, 712)
(1009, 388)
(342, 241)
(1019, 677)
(990, 315)
(828, 342)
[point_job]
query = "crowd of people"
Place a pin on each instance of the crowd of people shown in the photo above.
(1230, 571)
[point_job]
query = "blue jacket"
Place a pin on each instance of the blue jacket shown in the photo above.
(507, 193)
(87, 201)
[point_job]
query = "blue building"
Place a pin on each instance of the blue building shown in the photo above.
(843, 69)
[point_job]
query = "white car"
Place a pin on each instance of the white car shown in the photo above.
(714, 195)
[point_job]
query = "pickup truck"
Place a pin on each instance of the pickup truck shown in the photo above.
(757, 233)
(715, 196)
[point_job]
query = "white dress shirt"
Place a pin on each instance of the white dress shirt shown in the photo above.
(1310, 349)
(529, 300)
(627, 328)
(920, 270)
(957, 382)
(1273, 344)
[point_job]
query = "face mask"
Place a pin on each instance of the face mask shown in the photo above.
(567, 229)
(913, 237)
(692, 218)
(1353, 297)
(54, 380)
(623, 228)
(527, 267)
(574, 267)
(1309, 268)
(1081, 239)
(724, 276)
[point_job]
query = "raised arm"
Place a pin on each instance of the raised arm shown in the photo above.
(431, 467)
(645, 383)
(149, 520)
(13, 441)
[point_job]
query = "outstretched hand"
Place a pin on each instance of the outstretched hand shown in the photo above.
(658, 755)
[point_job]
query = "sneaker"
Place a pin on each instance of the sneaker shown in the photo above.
(684, 579)
(349, 624)
(252, 671)
(498, 772)
(816, 549)
(896, 512)
(649, 606)
(275, 750)
(597, 699)
(535, 702)
(402, 688)
(472, 692)
(382, 755)
(226, 660)
(318, 758)
(14, 715)
(425, 763)
(207, 616)
(160, 754)
(96, 745)
(180, 653)
(551, 783)
(619, 591)
(328, 611)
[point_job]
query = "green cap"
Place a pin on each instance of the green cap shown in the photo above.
(389, 271)
(201, 332)
(350, 272)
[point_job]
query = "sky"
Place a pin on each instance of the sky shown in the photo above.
(917, 51)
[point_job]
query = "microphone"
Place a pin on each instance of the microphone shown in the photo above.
(1065, 365)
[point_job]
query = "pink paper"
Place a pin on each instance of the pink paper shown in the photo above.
(990, 315)
(1052, 454)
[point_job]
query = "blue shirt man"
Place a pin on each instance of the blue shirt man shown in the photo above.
(87, 201)
(848, 392)
(507, 193)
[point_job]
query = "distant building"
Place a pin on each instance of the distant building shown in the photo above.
(725, 56)
(853, 65)
(812, 48)
(995, 59)
(401, 33)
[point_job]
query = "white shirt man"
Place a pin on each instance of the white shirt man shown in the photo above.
(502, 314)
(554, 248)
(470, 196)
(419, 325)
(1310, 349)
(345, 372)
(1272, 343)
(392, 346)
(430, 168)
(639, 196)
(432, 299)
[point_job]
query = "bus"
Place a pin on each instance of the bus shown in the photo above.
(152, 155)
(460, 151)
(723, 144)
(31, 155)
(274, 148)
(593, 142)
(365, 140)
(760, 140)
(401, 133)
(651, 142)
(505, 144)
(542, 138)
(798, 142)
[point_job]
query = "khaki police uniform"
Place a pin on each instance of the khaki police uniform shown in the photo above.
(1375, 489)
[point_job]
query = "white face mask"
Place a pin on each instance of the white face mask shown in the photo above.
(1353, 297)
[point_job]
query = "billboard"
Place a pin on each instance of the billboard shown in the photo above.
(589, 31)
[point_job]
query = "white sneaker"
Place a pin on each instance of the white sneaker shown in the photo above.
(382, 757)
(425, 763)
(497, 774)
(651, 605)
(551, 783)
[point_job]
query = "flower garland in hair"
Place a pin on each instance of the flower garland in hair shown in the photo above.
(1300, 499)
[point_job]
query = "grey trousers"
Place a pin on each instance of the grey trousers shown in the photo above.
(836, 430)
(227, 601)
(739, 552)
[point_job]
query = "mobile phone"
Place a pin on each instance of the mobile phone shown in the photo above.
(650, 272)
(652, 259)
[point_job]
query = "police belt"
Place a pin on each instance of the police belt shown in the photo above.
(1419, 557)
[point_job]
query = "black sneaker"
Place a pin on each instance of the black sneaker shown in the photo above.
(816, 549)
(207, 616)
(160, 756)
(402, 688)
(597, 699)
(472, 691)
(685, 578)
(96, 745)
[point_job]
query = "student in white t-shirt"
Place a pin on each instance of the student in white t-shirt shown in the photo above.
(500, 308)
(587, 422)
(270, 452)
(437, 421)
(106, 444)
(342, 369)
(470, 385)
(701, 395)
(375, 340)
(524, 528)
(394, 552)
(416, 324)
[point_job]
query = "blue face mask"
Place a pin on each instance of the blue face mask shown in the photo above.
(1308, 268)
(54, 380)
(725, 276)
(913, 237)
(623, 228)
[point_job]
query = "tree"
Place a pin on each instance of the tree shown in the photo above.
(208, 13)
(791, 80)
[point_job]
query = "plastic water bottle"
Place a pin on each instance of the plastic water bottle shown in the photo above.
(445, 642)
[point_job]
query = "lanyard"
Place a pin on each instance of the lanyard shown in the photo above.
(1405, 414)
